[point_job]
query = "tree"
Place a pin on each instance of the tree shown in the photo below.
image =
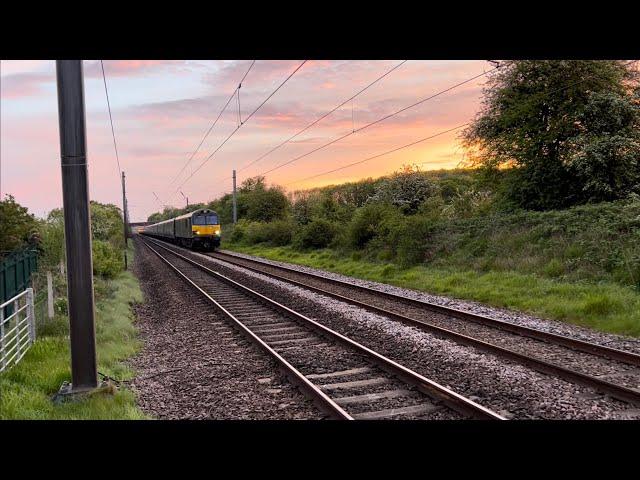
(258, 202)
(406, 189)
(534, 117)
(17, 225)
(606, 154)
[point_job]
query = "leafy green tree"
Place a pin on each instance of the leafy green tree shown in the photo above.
(18, 225)
(606, 157)
(53, 238)
(107, 238)
(533, 118)
(258, 202)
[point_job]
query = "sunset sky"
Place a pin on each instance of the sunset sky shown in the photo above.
(162, 109)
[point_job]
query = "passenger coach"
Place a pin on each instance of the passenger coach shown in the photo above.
(198, 229)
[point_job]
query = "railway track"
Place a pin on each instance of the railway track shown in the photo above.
(572, 359)
(346, 379)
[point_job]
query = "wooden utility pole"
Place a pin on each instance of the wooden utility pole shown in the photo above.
(77, 224)
(235, 203)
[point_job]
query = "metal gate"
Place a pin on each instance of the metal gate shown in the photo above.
(18, 329)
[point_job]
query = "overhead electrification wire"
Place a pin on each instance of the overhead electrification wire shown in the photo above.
(213, 124)
(381, 154)
(377, 121)
(113, 133)
(238, 127)
(429, 137)
(322, 117)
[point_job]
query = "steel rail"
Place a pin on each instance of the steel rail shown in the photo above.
(618, 391)
(327, 404)
(573, 343)
(429, 387)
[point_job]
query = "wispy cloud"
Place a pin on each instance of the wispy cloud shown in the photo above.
(156, 137)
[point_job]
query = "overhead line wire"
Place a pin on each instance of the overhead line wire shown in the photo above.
(239, 126)
(322, 117)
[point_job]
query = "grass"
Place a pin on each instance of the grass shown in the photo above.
(606, 306)
(26, 389)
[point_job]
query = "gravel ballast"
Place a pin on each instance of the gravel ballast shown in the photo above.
(193, 365)
(518, 318)
(590, 364)
(507, 388)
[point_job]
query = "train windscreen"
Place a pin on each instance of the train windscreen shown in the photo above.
(208, 219)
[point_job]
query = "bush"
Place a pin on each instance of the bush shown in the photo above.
(415, 240)
(60, 306)
(368, 222)
(318, 233)
(107, 259)
(278, 232)
(236, 232)
(406, 190)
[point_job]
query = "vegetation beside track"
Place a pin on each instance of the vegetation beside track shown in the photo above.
(27, 388)
(605, 306)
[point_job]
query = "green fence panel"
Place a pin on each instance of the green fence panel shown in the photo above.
(15, 273)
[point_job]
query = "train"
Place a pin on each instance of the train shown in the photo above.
(199, 229)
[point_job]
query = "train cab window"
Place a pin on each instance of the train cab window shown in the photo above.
(208, 219)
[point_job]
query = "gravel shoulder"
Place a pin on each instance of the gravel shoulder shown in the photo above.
(193, 365)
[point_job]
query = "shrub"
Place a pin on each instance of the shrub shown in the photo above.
(255, 233)
(406, 190)
(60, 306)
(415, 240)
(107, 259)
(276, 233)
(279, 232)
(237, 232)
(318, 233)
(368, 222)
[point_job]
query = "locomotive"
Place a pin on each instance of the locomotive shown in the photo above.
(199, 229)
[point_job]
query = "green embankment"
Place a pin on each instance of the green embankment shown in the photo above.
(26, 389)
(579, 265)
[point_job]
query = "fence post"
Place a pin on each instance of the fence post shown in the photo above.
(32, 314)
(4, 357)
(16, 307)
(49, 295)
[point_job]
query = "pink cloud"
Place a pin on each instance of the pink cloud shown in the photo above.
(19, 85)
(128, 68)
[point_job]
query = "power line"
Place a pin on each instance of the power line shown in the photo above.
(238, 127)
(431, 136)
(382, 154)
(113, 133)
(322, 117)
(377, 121)
(213, 124)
